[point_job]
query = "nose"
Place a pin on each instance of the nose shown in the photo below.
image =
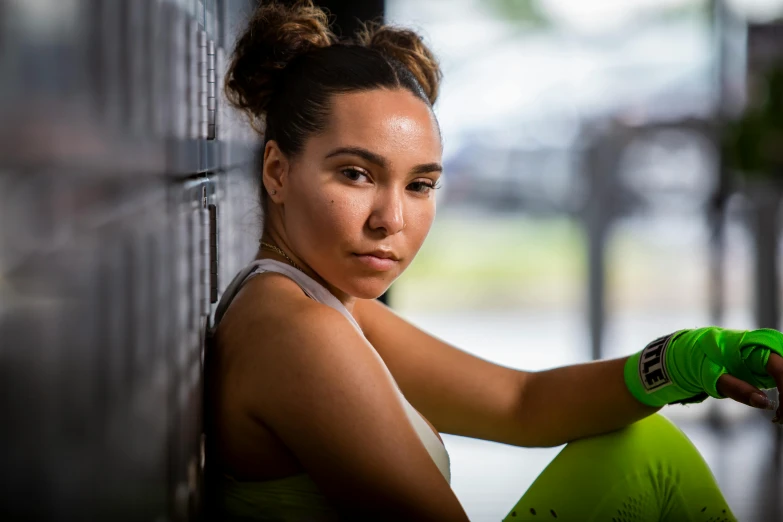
(387, 213)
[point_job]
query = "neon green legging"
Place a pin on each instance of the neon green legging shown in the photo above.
(646, 472)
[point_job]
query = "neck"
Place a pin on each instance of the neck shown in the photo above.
(348, 301)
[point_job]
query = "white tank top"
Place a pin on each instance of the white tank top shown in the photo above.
(316, 291)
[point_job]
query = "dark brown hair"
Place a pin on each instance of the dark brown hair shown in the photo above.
(288, 64)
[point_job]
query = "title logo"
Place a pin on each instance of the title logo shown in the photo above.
(652, 365)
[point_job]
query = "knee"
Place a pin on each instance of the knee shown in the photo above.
(647, 440)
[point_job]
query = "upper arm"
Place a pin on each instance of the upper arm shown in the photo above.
(330, 399)
(458, 392)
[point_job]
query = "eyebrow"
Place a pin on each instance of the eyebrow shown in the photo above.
(380, 161)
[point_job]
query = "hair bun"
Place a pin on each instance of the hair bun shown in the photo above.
(275, 35)
(408, 48)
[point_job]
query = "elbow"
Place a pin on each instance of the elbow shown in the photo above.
(536, 439)
(536, 423)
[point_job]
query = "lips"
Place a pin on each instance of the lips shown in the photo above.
(383, 254)
(378, 260)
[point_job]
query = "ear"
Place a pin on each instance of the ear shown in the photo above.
(275, 171)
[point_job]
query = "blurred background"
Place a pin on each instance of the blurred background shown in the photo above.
(613, 172)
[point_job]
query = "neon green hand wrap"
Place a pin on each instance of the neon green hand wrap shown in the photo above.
(684, 367)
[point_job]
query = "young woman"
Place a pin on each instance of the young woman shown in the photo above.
(322, 404)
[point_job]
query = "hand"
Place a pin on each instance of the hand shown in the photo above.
(687, 366)
(743, 392)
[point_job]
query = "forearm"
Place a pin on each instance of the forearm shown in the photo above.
(577, 401)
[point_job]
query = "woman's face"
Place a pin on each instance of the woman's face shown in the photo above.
(364, 185)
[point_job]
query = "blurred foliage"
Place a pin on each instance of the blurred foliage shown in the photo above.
(494, 262)
(753, 144)
(529, 13)
(503, 262)
(698, 9)
(523, 12)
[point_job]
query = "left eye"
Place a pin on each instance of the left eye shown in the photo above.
(421, 186)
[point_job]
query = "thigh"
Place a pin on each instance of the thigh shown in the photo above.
(646, 472)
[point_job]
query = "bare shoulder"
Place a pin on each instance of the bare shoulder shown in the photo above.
(273, 333)
(303, 369)
(267, 310)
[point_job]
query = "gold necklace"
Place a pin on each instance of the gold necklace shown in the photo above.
(268, 246)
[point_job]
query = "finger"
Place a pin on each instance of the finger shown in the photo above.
(775, 369)
(742, 392)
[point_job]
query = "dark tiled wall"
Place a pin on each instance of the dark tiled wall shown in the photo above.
(127, 202)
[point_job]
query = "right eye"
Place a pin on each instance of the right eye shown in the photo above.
(353, 174)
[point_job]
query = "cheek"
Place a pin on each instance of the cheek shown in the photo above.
(332, 212)
(419, 221)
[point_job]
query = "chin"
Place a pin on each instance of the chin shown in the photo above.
(368, 288)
